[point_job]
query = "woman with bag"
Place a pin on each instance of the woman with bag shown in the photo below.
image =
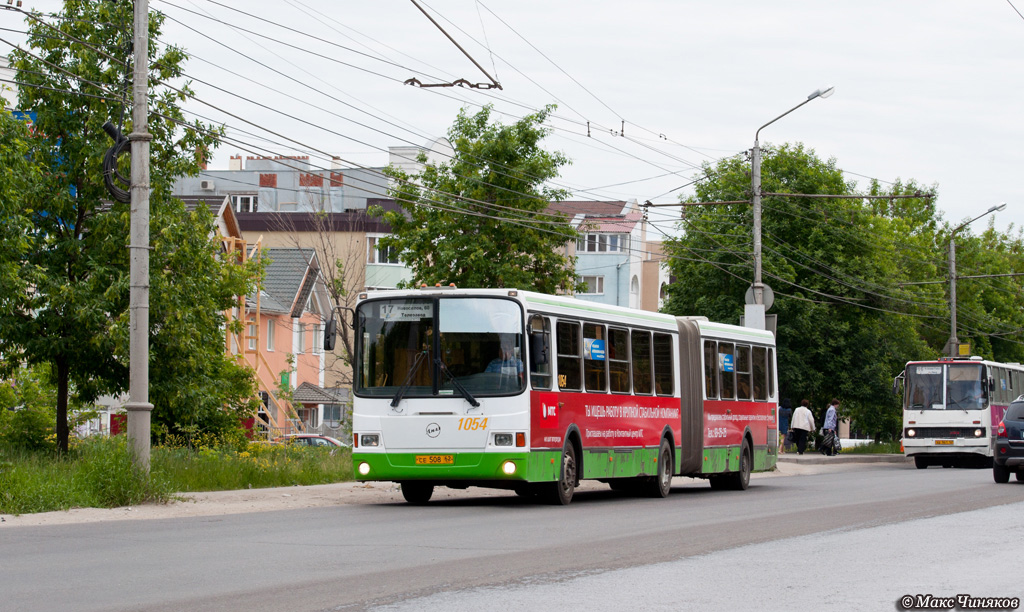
(802, 425)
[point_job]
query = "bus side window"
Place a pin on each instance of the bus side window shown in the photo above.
(771, 373)
(664, 365)
(641, 362)
(540, 352)
(567, 338)
(710, 369)
(618, 360)
(595, 357)
(727, 369)
(742, 372)
(760, 374)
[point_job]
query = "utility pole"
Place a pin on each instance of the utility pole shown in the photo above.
(138, 406)
(953, 344)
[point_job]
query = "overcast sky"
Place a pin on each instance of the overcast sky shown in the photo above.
(928, 90)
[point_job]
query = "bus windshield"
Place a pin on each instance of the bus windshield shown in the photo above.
(945, 386)
(443, 347)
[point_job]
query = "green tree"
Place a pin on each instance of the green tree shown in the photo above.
(845, 325)
(478, 220)
(76, 259)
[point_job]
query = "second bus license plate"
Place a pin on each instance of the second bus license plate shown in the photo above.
(943, 441)
(435, 459)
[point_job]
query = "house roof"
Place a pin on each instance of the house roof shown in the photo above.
(220, 206)
(572, 208)
(291, 276)
(308, 393)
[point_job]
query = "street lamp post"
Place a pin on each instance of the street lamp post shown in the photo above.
(754, 313)
(953, 344)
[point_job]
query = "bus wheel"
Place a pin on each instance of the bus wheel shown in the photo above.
(417, 492)
(1000, 473)
(561, 490)
(1020, 476)
(740, 480)
(661, 485)
(920, 463)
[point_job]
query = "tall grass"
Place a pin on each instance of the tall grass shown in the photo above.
(99, 473)
(878, 448)
(256, 467)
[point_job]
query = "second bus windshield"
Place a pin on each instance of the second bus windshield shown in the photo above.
(945, 386)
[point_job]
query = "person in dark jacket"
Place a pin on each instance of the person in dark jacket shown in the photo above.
(785, 414)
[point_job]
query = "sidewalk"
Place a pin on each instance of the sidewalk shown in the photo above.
(813, 457)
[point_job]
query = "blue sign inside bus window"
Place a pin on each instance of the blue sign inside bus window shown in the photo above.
(727, 363)
(593, 349)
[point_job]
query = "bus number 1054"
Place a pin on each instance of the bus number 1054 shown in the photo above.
(472, 424)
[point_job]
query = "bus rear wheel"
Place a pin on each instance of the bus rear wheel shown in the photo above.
(739, 481)
(560, 491)
(661, 484)
(417, 492)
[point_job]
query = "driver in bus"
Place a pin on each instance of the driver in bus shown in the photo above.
(506, 362)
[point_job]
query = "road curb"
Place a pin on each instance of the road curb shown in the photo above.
(816, 458)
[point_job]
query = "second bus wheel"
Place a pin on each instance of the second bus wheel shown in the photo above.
(739, 481)
(560, 492)
(661, 484)
(417, 492)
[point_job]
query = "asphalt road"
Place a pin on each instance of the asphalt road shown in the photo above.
(784, 539)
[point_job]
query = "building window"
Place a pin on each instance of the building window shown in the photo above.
(333, 415)
(318, 338)
(252, 330)
(378, 254)
(300, 339)
(244, 203)
(603, 243)
(270, 334)
(594, 285)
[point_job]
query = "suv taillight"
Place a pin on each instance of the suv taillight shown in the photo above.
(1001, 431)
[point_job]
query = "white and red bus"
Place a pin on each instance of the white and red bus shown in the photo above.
(952, 406)
(531, 392)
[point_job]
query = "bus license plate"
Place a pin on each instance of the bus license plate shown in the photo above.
(435, 459)
(943, 441)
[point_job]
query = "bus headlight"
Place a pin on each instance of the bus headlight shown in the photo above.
(911, 433)
(364, 468)
(979, 432)
(369, 440)
(503, 439)
(509, 467)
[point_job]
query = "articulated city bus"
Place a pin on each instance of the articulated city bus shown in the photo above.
(951, 407)
(529, 392)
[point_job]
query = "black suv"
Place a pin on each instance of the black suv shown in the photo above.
(1008, 454)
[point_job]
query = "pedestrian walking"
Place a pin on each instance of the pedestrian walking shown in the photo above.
(830, 429)
(802, 425)
(785, 414)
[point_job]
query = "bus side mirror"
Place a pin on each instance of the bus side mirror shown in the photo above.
(538, 349)
(896, 383)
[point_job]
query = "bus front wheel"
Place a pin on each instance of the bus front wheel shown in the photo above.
(920, 463)
(417, 492)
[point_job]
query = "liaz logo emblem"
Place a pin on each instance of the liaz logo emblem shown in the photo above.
(433, 430)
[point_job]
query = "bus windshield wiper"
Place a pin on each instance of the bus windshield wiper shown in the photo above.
(455, 383)
(408, 379)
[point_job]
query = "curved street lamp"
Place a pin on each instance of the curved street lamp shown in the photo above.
(953, 344)
(756, 317)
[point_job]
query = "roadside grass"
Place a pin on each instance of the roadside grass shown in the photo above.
(875, 448)
(99, 473)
